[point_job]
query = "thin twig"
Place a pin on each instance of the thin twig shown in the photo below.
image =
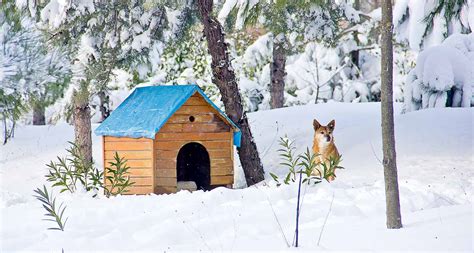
(326, 219)
(298, 210)
(375, 155)
(273, 141)
(276, 217)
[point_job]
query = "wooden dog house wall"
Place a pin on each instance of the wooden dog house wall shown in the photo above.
(195, 144)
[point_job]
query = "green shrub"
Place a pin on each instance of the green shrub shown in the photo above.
(53, 213)
(116, 177)
(304, 163)
(67, 172)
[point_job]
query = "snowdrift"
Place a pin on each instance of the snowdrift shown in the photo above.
(435, 173)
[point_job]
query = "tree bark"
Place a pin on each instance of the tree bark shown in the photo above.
(355, 53)
(38, 115)
(82, 124)
(104, 105)
(277, 72)
(394, 219)
(224, 78)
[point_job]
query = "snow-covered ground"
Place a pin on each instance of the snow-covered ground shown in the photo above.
(435, 161)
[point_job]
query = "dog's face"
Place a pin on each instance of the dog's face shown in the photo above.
(323, 134)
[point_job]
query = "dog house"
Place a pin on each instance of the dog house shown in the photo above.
(170, 134)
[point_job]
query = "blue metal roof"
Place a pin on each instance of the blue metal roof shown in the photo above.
(146, 110)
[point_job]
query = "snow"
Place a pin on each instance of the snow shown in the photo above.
(411, 27)
(439, 69)
(435, 176)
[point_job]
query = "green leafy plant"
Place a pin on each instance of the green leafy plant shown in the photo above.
(330, 167)
(116, 178)
(305, 164)
(53, 212)
(67, 172)
(290, 160)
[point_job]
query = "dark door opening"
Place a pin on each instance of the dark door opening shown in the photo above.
(193, 165)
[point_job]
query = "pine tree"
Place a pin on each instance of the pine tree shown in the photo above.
(33, 74)
(224, 78)
(105, 35)
(312, 20)
(421, 23)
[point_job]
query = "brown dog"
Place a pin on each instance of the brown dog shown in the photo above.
(323, 144)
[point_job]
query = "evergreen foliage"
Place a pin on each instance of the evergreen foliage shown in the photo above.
(422, 23)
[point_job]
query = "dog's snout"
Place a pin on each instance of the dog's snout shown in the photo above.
(328, 138)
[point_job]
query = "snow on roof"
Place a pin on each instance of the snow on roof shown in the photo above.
(146, 110)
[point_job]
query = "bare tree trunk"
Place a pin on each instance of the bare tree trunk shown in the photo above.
(104, 105)
(355, 53)
(82, 123)
(277, 72)
(224, 78)
(394, 219)
(38, 115)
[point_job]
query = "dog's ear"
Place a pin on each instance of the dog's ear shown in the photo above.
(316, 124)
(332, 125)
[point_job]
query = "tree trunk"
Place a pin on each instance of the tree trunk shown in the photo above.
(277, 72)
(82, 123)
(104, 105)
(38, 115)
(394, 219)
(224, 78)
(355, 53)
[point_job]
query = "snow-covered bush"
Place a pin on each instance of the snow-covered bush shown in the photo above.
(443, 76)
(425, 23)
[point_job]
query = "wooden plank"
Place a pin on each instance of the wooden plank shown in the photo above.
(129, 155)
(222, 171)
(165, 173)
(222, 180)
(194, 127)
(177, 145)
(124, 146)
(232, 148)
(204, 127)
(169, 145)
(192, 136)
(105, 164)
(139, 181)
(148, 172)
(217, 144)
(198, 118)
(196, 100)
(165, 164)
(154, 164)
(190, 109)
(166, 155)
(219, 153)
(125, 139)
(165, 189)
(140, 163)
(139, 171)
(222, 162)
(166, 181)
(171, 128)
(139, 190)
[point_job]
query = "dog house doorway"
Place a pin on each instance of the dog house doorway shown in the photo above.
(193, 164)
